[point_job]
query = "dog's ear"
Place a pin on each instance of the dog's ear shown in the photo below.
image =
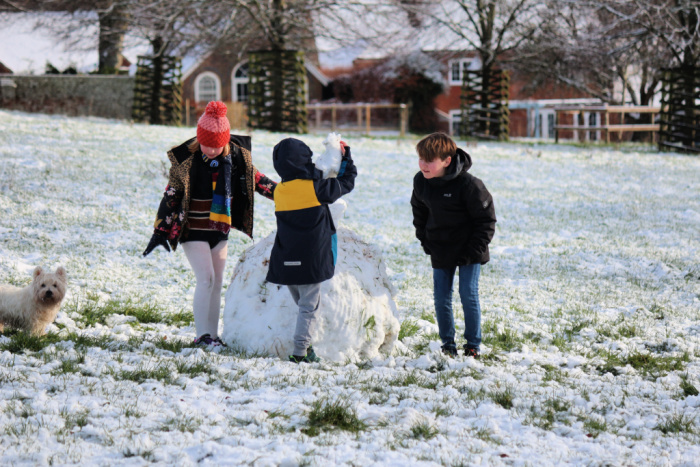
(61, 272)
(37, 272)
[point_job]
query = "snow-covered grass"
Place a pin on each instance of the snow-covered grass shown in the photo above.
(591, 316)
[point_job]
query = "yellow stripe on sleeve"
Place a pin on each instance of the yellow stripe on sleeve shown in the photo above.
(295, 195)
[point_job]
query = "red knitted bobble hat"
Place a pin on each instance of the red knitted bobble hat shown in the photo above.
(213, 128)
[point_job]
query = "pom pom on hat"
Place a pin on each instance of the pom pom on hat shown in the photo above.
(213, 128)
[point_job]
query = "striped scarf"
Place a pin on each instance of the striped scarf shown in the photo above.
(220, 214)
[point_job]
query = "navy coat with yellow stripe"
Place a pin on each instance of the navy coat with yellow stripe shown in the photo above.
(304, 251)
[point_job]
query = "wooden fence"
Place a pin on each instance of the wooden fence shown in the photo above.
(605, 126)
(320, 116)
(237, 113)
(363, 117)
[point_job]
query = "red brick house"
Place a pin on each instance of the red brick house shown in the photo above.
(531, 110)
(224, 77)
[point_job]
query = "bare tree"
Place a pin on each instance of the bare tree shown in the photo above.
(593, 44)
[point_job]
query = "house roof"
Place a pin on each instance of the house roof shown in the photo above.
(4, 69)
(310, 67)
(26, 48)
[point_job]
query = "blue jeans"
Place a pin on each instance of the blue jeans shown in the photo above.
(443, 280)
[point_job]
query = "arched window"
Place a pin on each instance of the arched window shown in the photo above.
(239, 82)
(207, 87)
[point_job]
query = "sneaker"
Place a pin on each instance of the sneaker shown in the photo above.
(218, 341)
(449, 350)
(471, 352)
(310, 357)
(207, 340)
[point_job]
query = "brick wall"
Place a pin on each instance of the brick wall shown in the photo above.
(74, 95)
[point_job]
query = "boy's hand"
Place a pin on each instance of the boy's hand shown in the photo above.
(345, 150)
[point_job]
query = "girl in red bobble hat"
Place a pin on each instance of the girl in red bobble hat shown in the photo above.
(210, 190)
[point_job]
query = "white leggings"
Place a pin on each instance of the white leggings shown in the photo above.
(208, 266)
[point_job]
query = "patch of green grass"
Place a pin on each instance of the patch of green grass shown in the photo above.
(595, 427)
(442, 411)
(424, 341)
(66, 366)
(182, 423)
(428, 316)
(91, 312)
(172, 345)
(649, 364)
(503, 398)
(506, 340)
(687, 387)
(413, 378)
(335, 414)
(369, 326)
(409, 328)
(79, 419)
(21, 429)
(679, 423)
(22, 342)
(103, 342)
(423, 430)
(552, 373)
(193, 369)
(646, 363)
(160, 373)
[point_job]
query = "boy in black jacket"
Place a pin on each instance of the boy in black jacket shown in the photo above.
(455, 221)
(305, 248)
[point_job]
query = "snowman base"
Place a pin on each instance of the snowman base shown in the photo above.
(357, 317)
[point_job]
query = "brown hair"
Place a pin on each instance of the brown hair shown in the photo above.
(194, 147)
(436, 145)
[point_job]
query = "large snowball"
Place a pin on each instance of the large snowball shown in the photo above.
(356, 318)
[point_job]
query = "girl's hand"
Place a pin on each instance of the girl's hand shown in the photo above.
(156, 239)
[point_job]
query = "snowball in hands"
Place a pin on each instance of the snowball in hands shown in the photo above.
(329, 161)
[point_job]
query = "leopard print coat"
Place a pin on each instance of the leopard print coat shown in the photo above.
(171, 219)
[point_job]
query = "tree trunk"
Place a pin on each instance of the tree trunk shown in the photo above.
(157, 88)
(114, 22)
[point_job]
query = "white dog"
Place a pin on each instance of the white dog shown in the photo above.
(33, 307)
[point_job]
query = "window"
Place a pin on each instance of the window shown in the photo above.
(455, 120)
(207, 87)
(458, 68)
(239, 83)
(550, 126)
(593, 122)
(545, 124)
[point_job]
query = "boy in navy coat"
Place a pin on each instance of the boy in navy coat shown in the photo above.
(305, 248)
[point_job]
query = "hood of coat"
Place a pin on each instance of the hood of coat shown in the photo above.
(292, 160)
(461, 162)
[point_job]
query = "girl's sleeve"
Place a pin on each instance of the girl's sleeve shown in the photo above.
(170, 216)
(264, 185)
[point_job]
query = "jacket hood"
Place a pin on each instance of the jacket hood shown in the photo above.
(461, 162)
(292, 160)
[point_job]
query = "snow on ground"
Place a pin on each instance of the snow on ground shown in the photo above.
(591, 316)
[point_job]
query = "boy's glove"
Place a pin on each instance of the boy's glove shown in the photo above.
(156, 239)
